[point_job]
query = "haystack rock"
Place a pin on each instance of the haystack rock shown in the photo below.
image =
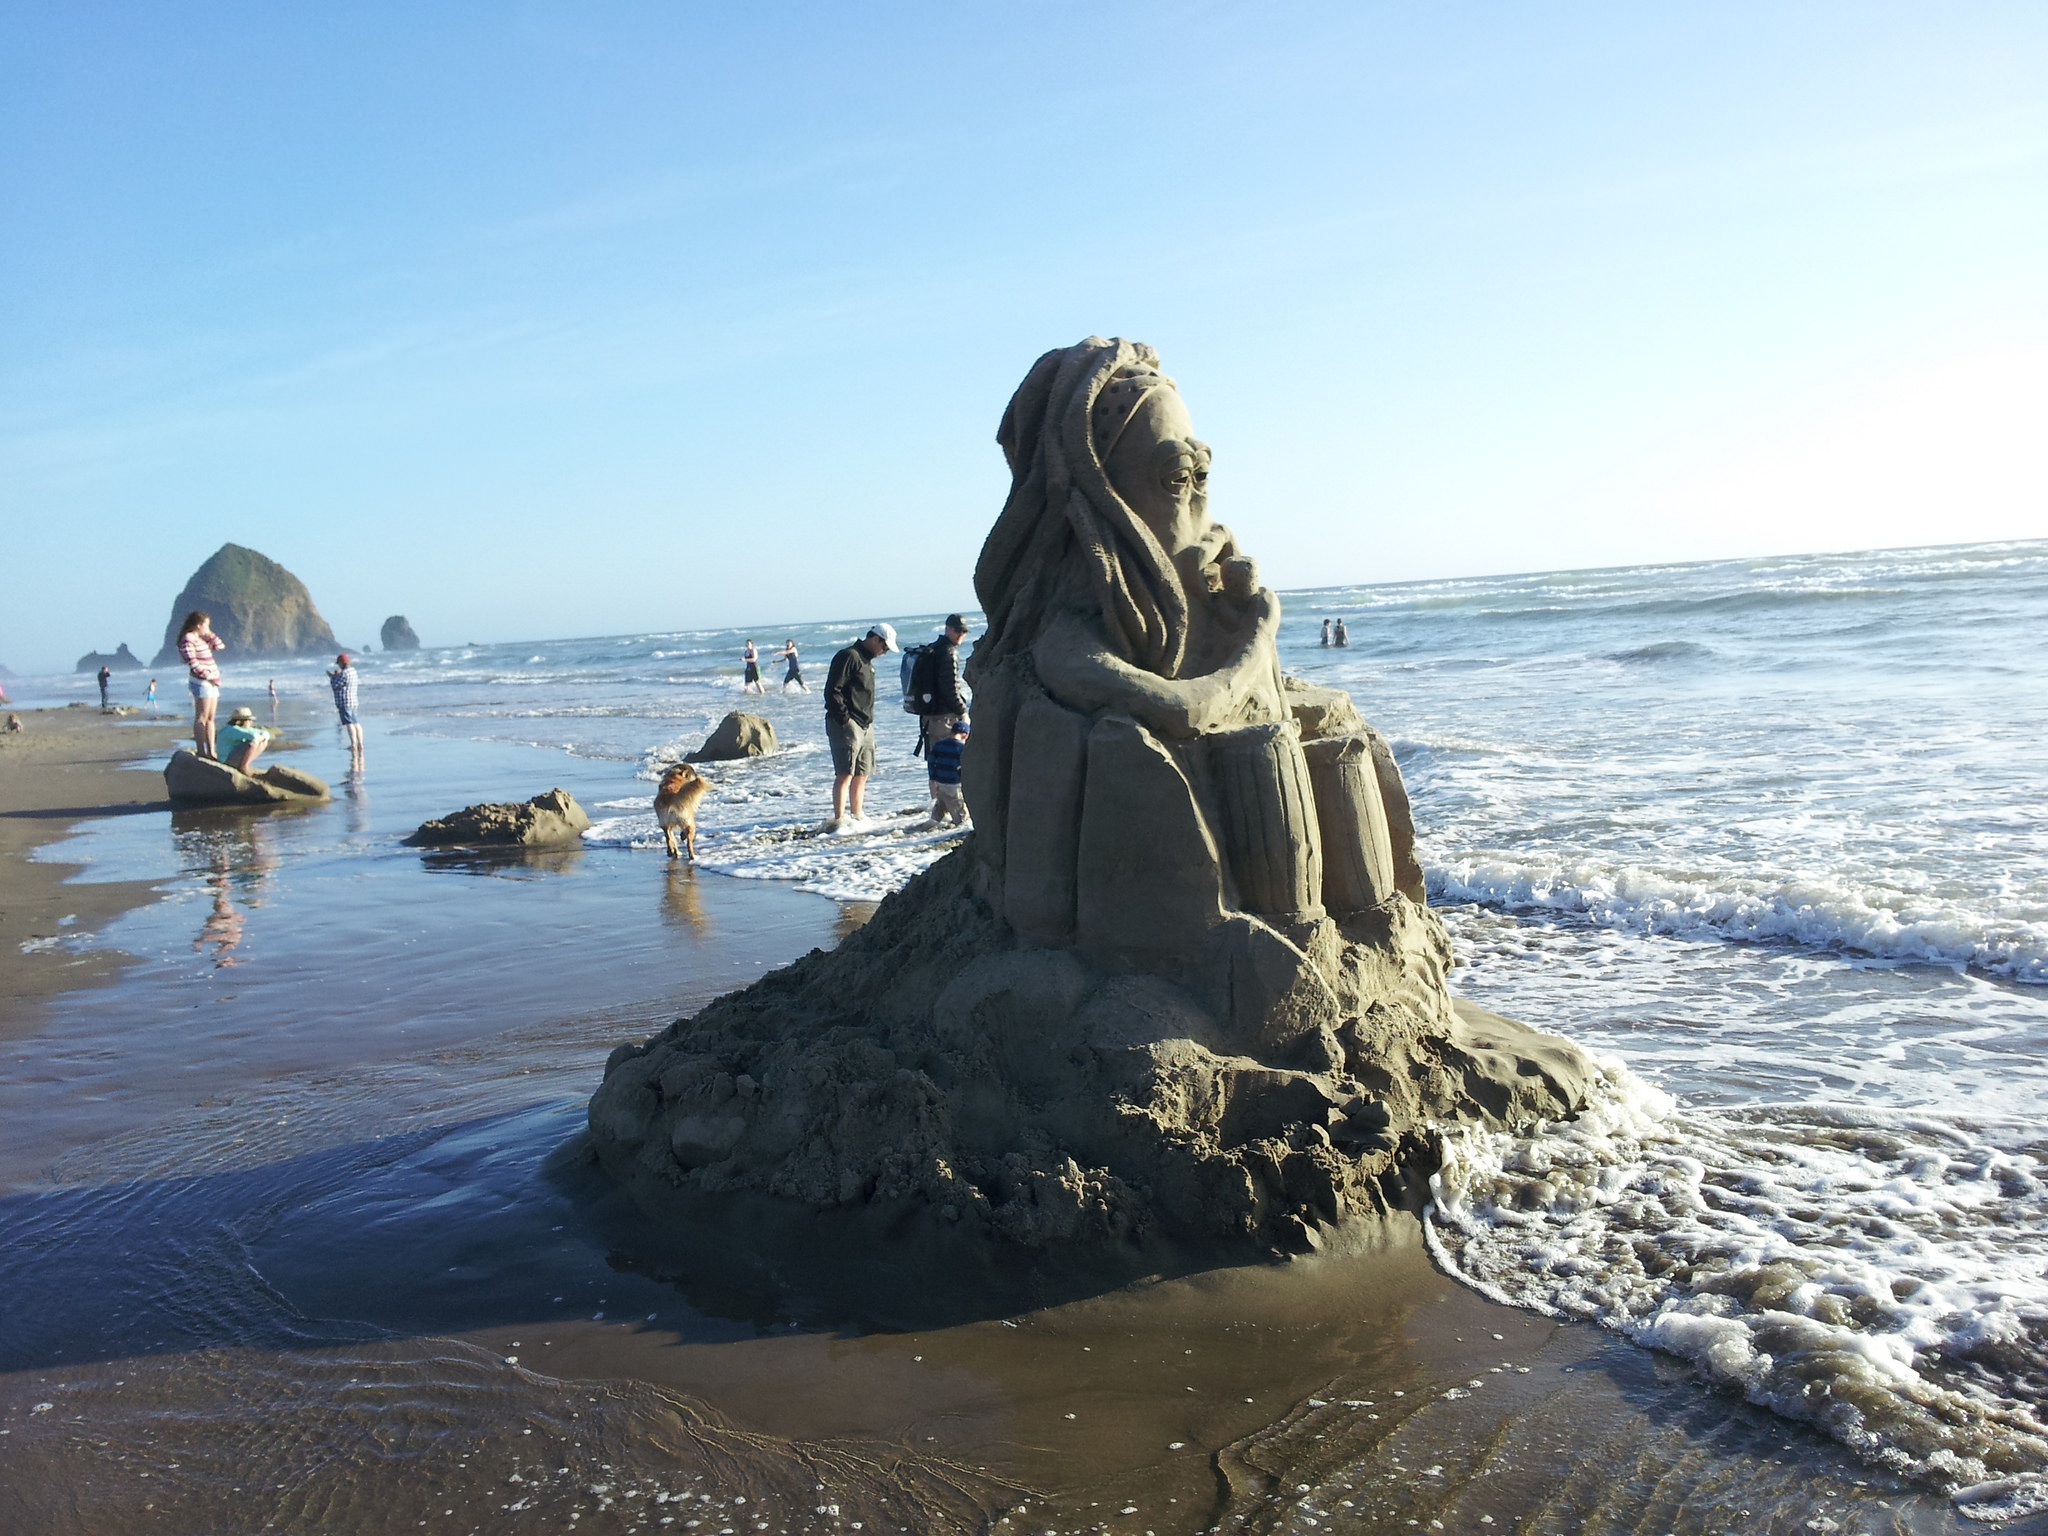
(259, 609)
(545, 821)
(397, 635)
(738, 735)
(119, 660)
(193, 780)
(1177, 998)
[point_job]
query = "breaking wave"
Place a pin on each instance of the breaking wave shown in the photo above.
(1819, 913)
(1879, 1276)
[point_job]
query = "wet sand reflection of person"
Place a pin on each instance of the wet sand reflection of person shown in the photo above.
(241, 856)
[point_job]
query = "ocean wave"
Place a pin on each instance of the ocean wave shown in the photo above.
(1877, 1275)
(1663, 650)
(866, 865)
(1819, 913)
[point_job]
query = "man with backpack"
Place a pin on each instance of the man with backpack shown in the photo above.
(934, 690)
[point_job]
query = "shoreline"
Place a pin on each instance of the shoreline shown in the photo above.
(67, 766)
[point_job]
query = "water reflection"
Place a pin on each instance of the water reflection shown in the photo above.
(356, 797)
(238, 854)
(682, 902)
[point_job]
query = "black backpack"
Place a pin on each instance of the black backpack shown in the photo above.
(920, 677)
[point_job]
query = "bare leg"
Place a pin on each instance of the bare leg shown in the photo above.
(202, 725)
(355, 740)
(857, 786)
(249, 754)
(839, 786)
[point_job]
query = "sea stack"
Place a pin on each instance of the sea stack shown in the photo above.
(118, 660)
(397, 635)
(259, 609)
(1177, 999)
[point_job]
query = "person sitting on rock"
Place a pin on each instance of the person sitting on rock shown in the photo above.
(242, 740)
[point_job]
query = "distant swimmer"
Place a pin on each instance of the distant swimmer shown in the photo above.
(753, 683)
(1343, 633)
(795, 674)
(1326, 631)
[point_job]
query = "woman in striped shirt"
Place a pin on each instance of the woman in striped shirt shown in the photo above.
(196, 643)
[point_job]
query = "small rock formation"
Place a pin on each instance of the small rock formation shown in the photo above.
(120, 660)
(397, 635)
(545, 821)
(1179, 992)
(259, 609)
(738, 735)
(194, 780)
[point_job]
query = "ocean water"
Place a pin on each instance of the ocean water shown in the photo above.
(1766, 836)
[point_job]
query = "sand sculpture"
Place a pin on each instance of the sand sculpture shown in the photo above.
(1179, 991)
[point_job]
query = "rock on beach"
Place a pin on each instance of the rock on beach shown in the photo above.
(738, 735)
(194, 780)
(545, 821)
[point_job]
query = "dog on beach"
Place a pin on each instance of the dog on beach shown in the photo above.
(675, 806)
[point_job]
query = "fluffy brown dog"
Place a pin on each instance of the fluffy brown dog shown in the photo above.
(675, 806)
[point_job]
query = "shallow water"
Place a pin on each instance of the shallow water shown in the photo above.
(279, 1207)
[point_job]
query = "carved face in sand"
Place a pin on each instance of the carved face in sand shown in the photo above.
(1156, 463)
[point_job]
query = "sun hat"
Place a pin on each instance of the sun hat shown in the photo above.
(886, 633)
(243, 713)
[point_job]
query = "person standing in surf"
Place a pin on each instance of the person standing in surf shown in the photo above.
(795, 674)
(850, 724)
(753, 683)
(197, 643)
(342, 679)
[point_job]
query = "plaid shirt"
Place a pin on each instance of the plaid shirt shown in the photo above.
(343, 681)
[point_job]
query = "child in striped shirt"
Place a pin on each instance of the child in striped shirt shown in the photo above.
(942, 760)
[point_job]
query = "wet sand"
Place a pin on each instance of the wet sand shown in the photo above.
(297, 1236)
(64, 767)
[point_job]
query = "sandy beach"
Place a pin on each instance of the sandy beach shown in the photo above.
(65, 766)
(291, 1260)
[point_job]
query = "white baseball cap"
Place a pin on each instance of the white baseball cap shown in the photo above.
(886, 633)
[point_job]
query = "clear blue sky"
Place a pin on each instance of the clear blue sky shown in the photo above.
(546, 319)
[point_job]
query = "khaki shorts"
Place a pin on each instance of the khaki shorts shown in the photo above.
(853, 747)
(948, 804)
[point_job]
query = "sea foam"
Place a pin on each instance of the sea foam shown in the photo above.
(1878, 1275)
